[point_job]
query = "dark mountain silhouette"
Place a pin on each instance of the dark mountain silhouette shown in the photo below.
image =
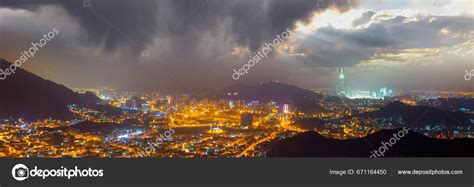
(312, 144)
(31, 97)
(305, 100)
(421, 115)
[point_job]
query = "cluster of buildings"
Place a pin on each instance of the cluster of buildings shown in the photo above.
(204, 127)
(343, 89)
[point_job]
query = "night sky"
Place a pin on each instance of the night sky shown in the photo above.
(170, 44)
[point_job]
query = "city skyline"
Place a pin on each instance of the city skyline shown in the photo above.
(236, 92)
(236, 78)
(44, 119)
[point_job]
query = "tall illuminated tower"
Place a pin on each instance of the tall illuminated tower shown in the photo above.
(340, 87)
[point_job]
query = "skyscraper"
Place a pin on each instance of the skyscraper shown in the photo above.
(286, 108)
(340, 87)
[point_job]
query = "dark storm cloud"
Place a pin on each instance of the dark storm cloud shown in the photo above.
(325, 46)
(132, 25)
(111, 23)
(401, 33)
(256, 21)
(366, 16)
